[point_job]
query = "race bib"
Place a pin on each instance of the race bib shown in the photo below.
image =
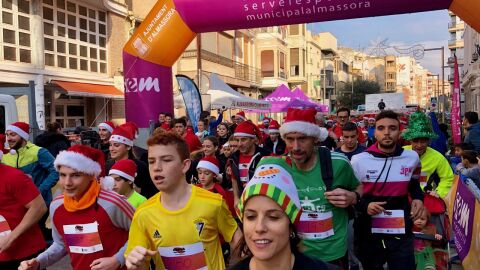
(243, 170)
(423, 180)
(389, 222)
(316, 225)
(187, 257)
(83, 238)
(4, 227)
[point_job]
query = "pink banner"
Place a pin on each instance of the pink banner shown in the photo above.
(455, 113)
(217, 15)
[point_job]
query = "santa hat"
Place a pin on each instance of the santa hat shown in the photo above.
(261, 127)
(266, 120)
(246, 129)
(273, 178)
(110, 126)
(122, 135)
(2, 145)
(303, 121)
(210, 163)
(132, 127)
(274, 127)
(21, 128)
(82, 158)
(241, 114)
(125, 168)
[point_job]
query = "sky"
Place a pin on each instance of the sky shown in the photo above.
(429, 29)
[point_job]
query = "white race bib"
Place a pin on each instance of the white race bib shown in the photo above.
(4, 227)
(389, 222)
(187, 257)
(316, 225)
(83, 238)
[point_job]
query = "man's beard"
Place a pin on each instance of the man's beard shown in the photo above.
(387, 146)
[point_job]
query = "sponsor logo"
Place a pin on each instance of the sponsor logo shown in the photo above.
(79, 228)
(178, 250)
(157, 235)
(311, 215)
(139, 85)
(405, 171)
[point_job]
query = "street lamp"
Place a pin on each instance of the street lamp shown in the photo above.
(442, 51)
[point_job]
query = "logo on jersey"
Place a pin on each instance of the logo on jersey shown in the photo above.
(199, 225)
(157, 235)
(179, 250)
(406, 171)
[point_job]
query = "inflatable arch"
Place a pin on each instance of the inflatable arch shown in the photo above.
(172, 24)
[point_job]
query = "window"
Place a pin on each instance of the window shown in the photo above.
(267, 60)
(15, 36)
(294, 62)
(294, 29)
(75, 36)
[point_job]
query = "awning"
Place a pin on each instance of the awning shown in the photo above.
(88, 89)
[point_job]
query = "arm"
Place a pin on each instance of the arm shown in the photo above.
(46, 160)
(56, 251)
(139, 251)
(213, 125)
(445, 173)
(346, 185)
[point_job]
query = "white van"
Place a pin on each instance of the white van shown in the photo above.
(8, 112)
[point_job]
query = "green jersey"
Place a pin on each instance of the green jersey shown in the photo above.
(136, 199)
(323, 227)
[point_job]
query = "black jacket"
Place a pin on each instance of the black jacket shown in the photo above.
(281, 146)
(302, 262)
(53, 142)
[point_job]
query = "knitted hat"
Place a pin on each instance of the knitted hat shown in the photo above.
(419, 126)
(274, 127)
(241, 114)
(110, 126)
(246, 129)
(122, 135)
(210, 163)
(83, 159)
(21, 128)
(303, 121)
(125, 168)
(273, 178)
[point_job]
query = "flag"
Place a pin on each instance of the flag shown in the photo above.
(192, 98)
(455, 113)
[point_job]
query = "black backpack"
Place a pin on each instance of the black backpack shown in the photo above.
(326, 167)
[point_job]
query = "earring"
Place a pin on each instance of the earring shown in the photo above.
(292, 235)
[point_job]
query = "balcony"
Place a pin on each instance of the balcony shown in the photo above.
(451, 78)
(454, 26)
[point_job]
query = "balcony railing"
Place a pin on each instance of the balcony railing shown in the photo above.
(242, 71)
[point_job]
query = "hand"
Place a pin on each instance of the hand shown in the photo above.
(107, 263)
(438, 236)
(375, 208)
(136, 259)
(228, 171)
(32, 264)
(5, 242)
(340, 197)
(434, 193)
(417, 209)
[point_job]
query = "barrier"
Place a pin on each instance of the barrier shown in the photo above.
(172, 24)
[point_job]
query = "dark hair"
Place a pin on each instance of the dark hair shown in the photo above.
(213, 139)
(386, 114)
(470, 155)
(164, 113)
(465, 146)
(472, 117)
(350, 126)
(169, 115)
(226, 126)
(53, 126)
(170, 138)
(180, 121)
(343, 109)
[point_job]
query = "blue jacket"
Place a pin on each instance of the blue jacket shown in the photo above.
(440, 144)
(36, 162)
(212, 126)
(473, 136)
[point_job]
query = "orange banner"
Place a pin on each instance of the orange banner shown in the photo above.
(162, 37)
(468, 10)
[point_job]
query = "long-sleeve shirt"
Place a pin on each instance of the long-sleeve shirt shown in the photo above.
(212, 126)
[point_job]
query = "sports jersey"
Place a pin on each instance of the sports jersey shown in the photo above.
(98, 231)
(136, 199)
(323, 227)
(432, 161)
(16, 191)
(187, 238)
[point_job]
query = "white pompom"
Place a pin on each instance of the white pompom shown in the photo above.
(13, 152)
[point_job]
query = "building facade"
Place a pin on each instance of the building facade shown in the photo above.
(471, 75)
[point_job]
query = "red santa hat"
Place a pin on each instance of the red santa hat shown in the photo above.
(21, 128)
(132, 127)
(110, 126)
(122, 135)
(246, 129)
(274, 127)
(261, 127)
(82, 158)
(303, 121)
(266, 120)
(125, 168)
(241, 114)
(210, 163)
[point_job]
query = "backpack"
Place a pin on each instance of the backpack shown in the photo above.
(326, 167)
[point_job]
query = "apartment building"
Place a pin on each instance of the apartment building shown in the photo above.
(68, 48)
(471, 75)
(390, 74)
(456, 28)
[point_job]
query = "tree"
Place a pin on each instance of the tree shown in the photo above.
(360, 89)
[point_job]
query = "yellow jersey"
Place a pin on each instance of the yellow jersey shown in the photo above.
(185, 239)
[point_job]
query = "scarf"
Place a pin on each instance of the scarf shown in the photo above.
(87, 200)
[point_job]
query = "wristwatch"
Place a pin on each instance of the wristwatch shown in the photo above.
(357, 195)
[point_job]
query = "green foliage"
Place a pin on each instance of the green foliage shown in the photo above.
(360, 89)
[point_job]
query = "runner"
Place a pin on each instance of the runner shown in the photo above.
(325, 191)
(343, 117)
(21, 207)
(182, 223)
(105, 130)
(274, 143)
(89, 224)
(437, 175)
(194, 144)
(350, 145)
(270, 211)
(123, 172)
(383, 228)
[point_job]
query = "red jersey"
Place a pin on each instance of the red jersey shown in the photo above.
(193, 142)
(338, 132)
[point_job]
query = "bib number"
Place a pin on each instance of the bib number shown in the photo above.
(187, 257)
(316, 225)
(389, 222)
(4, 227)
(83, 238)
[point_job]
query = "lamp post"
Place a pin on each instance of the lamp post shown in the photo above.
(442, 51)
